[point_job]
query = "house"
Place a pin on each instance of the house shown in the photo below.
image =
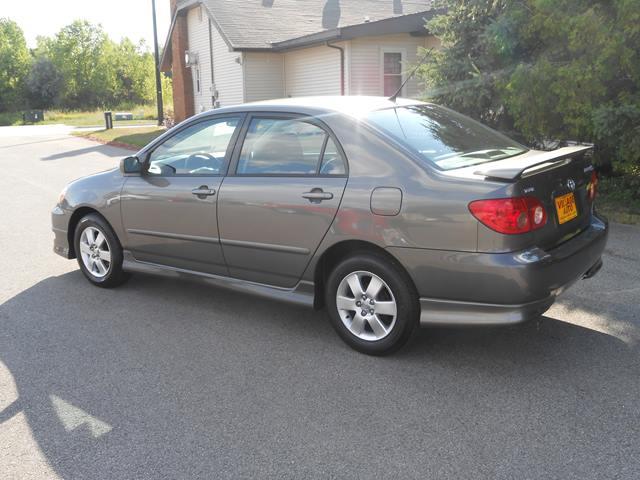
(225, 52)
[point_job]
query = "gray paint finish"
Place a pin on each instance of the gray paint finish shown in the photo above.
(386, 201)
(270, 235)
(167, 224)
(268, 230)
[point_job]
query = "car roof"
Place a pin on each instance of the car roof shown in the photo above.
(351, 105)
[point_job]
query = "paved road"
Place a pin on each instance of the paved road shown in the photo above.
(174, 380)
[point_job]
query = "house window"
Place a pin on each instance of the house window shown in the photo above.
(197, 78)
(392, 72)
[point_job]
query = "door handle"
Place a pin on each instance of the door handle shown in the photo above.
(316, 195)
(203, 191)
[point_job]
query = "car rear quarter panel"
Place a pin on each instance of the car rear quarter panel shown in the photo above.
(433, 215)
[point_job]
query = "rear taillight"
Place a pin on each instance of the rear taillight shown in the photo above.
(510, 215)
(592, 187)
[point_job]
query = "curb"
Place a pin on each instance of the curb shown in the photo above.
(110, 143)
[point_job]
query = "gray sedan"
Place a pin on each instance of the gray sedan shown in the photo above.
(389, 213)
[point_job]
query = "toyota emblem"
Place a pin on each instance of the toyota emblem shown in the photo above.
(571, 184)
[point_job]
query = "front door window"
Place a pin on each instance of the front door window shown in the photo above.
(197, 150)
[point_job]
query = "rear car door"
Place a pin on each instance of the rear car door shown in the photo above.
(280, 197)
(169, 211)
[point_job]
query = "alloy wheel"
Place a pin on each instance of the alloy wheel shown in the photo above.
(366, 305)
(95, 252)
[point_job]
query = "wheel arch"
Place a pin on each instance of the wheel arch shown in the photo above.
(339, 251)
(77, 215)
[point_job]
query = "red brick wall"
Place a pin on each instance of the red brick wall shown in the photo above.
(182, 82)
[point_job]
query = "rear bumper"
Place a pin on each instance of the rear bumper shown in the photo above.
(467, 288)
(451, 312)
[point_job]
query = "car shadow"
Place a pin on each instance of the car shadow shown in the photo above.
(174, 380)
(32, 142)
(107, 150)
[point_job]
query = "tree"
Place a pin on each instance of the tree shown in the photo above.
(463, 74)
(96, 71)
(131, 70)
(44, 84)
(14, 65)
(561, 69)
(78, 68)
(77, 53)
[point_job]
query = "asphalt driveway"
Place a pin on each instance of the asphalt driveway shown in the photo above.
(160, 379)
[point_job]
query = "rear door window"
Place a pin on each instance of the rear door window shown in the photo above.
(288, 146)
(332, 161)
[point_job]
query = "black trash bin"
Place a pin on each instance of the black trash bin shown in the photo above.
(33, 116)
(108, 120)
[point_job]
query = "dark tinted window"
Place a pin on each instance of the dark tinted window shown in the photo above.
(281, 146)
(332, 161)
(197, 150)
(443, 137)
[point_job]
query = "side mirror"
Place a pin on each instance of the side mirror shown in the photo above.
(129, 165)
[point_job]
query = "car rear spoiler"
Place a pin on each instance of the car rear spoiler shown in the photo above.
(530, 163)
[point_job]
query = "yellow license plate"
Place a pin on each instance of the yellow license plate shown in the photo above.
(566, 208)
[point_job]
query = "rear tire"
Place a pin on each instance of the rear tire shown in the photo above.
(372, 303)
(99, 252)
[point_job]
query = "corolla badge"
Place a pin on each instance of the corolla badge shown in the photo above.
(571, 184)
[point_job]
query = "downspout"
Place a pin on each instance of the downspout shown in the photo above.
(341, 49)
(213, 80)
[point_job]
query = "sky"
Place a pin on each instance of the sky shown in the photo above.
(119, 18)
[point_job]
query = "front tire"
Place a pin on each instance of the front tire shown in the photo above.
(98, 252)
(372, 303)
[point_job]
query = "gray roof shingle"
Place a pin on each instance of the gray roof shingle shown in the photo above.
(249, 24)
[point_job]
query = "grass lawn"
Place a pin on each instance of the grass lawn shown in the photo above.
(142, 114)
(10, 118)
(136, 137)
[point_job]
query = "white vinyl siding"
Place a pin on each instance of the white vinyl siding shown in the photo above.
(252, 76)
(198, 31)
(227, 71)
(312, 71)
(366, 62)
(263, 76)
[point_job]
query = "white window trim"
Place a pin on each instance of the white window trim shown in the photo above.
(403, 59)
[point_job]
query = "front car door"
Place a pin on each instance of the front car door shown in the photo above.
(281, 195)
(169, 211)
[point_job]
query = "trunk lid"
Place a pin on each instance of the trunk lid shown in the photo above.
(528, 163)
(546, 176)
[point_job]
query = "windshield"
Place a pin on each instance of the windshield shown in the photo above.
(443, 137)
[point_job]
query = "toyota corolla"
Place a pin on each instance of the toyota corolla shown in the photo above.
(388, 213)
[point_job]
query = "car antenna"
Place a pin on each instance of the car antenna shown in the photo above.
(410, 76)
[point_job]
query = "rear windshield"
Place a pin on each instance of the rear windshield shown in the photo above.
(442, 137)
